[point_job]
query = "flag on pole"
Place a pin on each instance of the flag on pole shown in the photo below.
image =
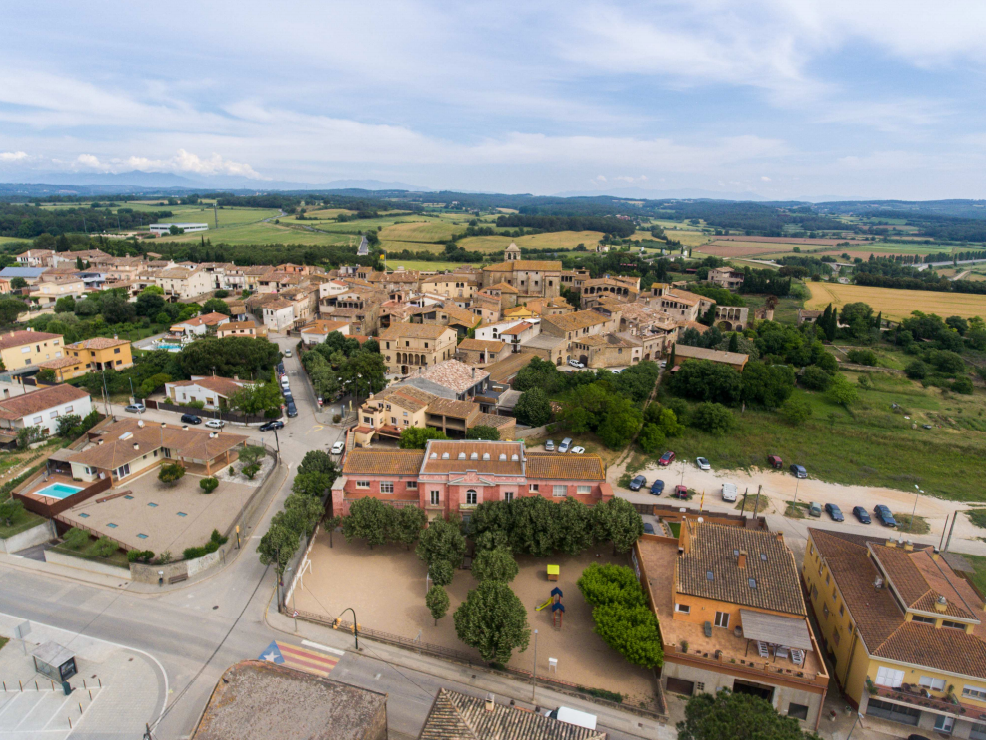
(701, 504)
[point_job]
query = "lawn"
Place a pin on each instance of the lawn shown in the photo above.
(422, 231)
(979, 574)
(118, 558)
(24, 521)
(422, 265)
(896, 304)
(873, 446)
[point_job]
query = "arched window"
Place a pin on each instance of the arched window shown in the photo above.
(470, 497)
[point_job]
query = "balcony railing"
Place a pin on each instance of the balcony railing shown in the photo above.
(915, 696)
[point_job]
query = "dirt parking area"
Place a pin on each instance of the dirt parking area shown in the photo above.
(386, 587)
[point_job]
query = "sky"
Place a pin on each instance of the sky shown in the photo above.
(779, 98)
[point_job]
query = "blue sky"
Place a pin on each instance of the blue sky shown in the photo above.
(784, 98)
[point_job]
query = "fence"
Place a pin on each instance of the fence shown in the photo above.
(50, 511)
(209, 414)
(459, 656)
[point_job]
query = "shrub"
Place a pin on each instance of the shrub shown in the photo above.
(164, 557)
(336, 418)
(862, 357)
(171, 473)
(75, 538)
(651, 438)
(208, 484)
(916, 370)
(713, 418)
(814, 378)
(143, 556)
(218, 538)
(104, 547)
(796, 411)
(195, 405)
(251, 470)
(962, 385)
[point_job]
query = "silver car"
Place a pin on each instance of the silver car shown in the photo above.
(549, 446)
(565, 444)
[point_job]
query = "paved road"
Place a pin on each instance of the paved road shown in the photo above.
(198, 631)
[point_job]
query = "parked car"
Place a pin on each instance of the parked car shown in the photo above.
(680, 492)
(284, 381)
(565, 444)
(576, 363)
(702, 463)
(798, 471)
(728, 492)
(666, 458)
(338, 447)
(280, 368)
(292, 410)
(775, 461)
(884, 515)
(190, 419)
(578, 450)
(835, 512)
(572, 717)
(215, 424)
(814, 509)
(637, 483)
(862, 514)
(657, 487)
(270, 426)
(287, 353)
(136, 408)
(648, 528)
(549, 446)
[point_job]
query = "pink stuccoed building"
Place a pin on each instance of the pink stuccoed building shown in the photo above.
(453, 476)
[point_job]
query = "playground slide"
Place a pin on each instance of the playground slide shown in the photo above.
(544, 605)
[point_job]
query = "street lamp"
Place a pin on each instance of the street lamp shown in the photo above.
(535, 671)
(338, 620)
(797, 482)
(915, 509)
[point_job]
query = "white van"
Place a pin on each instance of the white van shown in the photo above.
(728, 492)
(573, 717)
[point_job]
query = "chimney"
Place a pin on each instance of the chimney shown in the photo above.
(891, 543)
(474, 372)
(136, 446)
(941, 604)
(116, 336)
(100, 441)
(490, 703)
(909, 546)
(780, 537)
(741, 560)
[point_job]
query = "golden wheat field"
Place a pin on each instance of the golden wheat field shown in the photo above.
(896, 304)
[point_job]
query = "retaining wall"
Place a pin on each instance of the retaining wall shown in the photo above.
(44, 532)
(83, 564)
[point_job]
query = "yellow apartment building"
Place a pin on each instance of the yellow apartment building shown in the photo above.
(406, 347)
(90, 355)
(20, 349)
(904, 630)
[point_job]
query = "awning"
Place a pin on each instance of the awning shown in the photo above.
(63, 455)
(787, 631)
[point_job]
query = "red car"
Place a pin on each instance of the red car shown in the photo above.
(680, 492)
(666, 458)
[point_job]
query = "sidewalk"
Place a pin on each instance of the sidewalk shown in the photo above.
(480, 680)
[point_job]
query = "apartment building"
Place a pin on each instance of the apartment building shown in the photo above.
(180, 283)
(26, 347)
(904, 630)
(90, 355)
(406, 347)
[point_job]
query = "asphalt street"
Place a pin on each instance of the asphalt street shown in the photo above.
(196, 632)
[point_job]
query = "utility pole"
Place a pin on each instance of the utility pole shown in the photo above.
(534, 688)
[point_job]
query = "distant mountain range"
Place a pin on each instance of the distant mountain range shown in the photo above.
(649, 194)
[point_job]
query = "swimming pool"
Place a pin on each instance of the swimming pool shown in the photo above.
(170, 347)
(58, 490)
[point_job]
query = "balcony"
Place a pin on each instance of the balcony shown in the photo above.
(916, 696)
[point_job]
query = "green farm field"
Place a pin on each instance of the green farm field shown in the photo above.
(430, 231)
(560, 240)
(872, 446)
(423, 265)
(265, 233)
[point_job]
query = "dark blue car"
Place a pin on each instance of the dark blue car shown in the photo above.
(862, 514)
(657, 487)
(835, 512)
(884, 516)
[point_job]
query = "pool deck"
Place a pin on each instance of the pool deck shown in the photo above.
(54, 478)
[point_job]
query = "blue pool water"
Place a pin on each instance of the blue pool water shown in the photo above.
(58, 490)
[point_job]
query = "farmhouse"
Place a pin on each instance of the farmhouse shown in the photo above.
(726, 277)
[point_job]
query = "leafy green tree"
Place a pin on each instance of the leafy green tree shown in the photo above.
(279, 544)
(407, 525)
(815, 379)
(369, 519)
(533, 408)
(623, 420)
(617, 521)
(651, 438)
(441, 572)
(313, 485)
(733, 342)
(766, 385)
(67, 425)
(257, 399)
(416, 438)
(483, 432)
(65, 304)
(17, 283)
(216, 305)
(842, 392)
(75, 538)
(11, 510)
(117, 310)
(149, 303)
(442, 540)
(302, 513)
(535, 526)
(250, 454)
(104, 547)
(796, 411)
(862, 357)
(437, 602)
(493, 621)
(171, 473)
(243, 356)
(10, 309)
(319, 461)
(736, 716)
(575, 531)
(497, 564)
(702, 380)
(152, 384)
(713, 418)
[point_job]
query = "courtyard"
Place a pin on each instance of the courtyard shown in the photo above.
(146, 514)
(386, 588)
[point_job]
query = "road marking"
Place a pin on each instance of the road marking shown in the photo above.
(319, 646)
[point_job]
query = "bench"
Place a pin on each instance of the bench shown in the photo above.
(178, 578)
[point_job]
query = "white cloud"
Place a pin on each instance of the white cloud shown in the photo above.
(182, 162)
(13, 156)
(764, 178)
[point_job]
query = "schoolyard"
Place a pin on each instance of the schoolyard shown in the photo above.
(386, 588)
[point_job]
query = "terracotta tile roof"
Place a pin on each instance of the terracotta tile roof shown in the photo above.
(435, 463)
(700, 353)
(911, 582)
(946, 649)
(216, 383)
(521, 265)
(237, 325)
(60, 362)
(493, 420)
(456, 716)
(98, 343)
(606, 340)
(457, 409)
(414, 331)
(517, 329)
(20, 338)
(478, 345)
(383, 462)
(565, 466)
(712, 548)
(207, 319)
(576, 320)
(34, 402)
(321, 326)
(686, 300)
(460, 315)
(504, 288)
(278, 304)
(504, 370)
(406, 396)
(454, 375)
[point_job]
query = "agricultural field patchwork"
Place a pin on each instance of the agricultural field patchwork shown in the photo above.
(264, 233)
(560, 240)
(896, 304)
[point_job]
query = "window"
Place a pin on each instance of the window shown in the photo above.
(925, 620)
(798, 711)
(68, 409)
(152, 505)
(386, 486)
(436, 498)
(84, 515)
(362, 484)
(814, 592)
(828, 578)
(54, 414)
(752, 582)
(936, 684)
(534, 487)
(974, 692)
(182, 513)
(722, 619)
(836, 636)
(825, 610)
(682, 608)
(709, 576)
(842, 610)
(412, 485)
(508, 496)
(893, 679)
(111, 525)
(37, 419)
(584, 490)
(470, 497)
(116, 351)
(700, 686)
(559, 491)
(953, 625)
